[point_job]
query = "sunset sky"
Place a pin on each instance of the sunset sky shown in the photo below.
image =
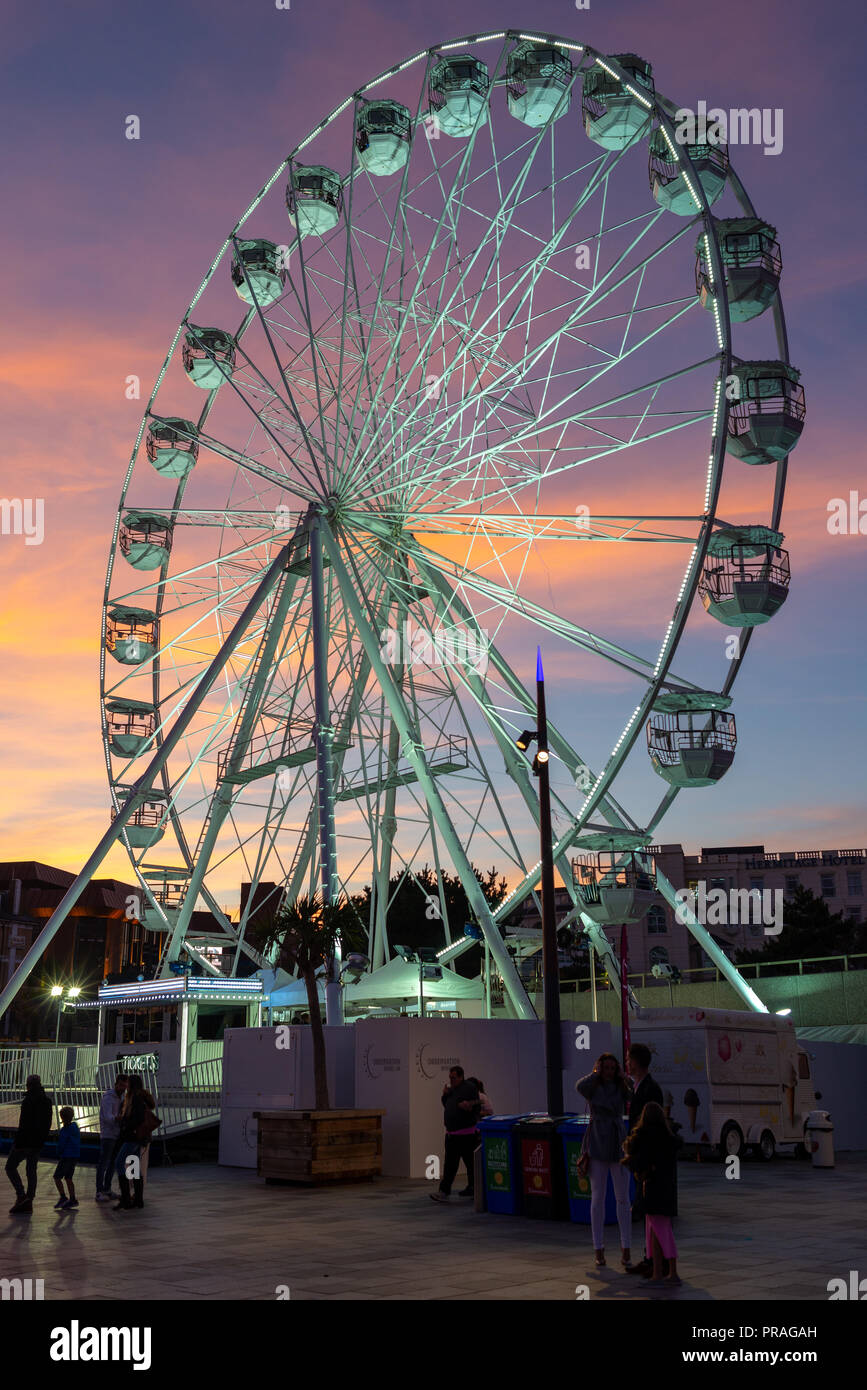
(106, 239)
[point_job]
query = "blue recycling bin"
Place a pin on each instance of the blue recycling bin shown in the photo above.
(501, 1164)
(572, 1132)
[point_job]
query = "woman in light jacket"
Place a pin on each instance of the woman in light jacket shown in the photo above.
(607, 1093)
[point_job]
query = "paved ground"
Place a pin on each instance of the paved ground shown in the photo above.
(780, 1232)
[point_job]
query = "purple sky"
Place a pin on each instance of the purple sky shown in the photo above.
(106, 240)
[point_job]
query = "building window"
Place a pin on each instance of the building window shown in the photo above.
(656, 923)
(792, 884)
(757, 885)
(854, 911)
(827, 885)
(853, 883)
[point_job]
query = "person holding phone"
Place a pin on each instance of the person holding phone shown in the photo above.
(607, 1093)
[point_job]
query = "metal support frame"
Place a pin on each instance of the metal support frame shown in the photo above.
(324, 778)
(563, 749)
(415, 756)
(142, 785)
(223, 796)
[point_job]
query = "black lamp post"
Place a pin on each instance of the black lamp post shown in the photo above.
(550, 965)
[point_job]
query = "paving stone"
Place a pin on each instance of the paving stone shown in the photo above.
(221, 1234)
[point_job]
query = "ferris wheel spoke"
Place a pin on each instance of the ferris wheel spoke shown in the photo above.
(415, 756)
(563, 420)
(522, 369)
(454, 604)
(552, 526)
(289, 400)
(535, 268)
(506, 598)
(449, 198)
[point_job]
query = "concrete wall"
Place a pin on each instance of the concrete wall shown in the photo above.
(399, 1065)
(840, 1075)
(815, 1000)
(257, 1075)
(402, 1064)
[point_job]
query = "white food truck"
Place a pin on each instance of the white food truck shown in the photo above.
(729, 1079)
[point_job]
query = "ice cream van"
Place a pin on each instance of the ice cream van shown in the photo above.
(731, 1080)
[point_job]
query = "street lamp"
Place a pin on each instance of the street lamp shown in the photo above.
(550, 966)
(57, 992)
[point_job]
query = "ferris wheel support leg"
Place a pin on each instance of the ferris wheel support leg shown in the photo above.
(448, 601)
(223, 797)
(709, 946)
(415, 756)
(324, 775)
(382, 881)
(383, 872)
(142, 785)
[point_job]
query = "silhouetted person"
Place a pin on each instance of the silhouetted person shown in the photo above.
(461, 1107)
(651, 1153)
(109, 1136)
(132, 1115)
(34, 1126)
(645, 1089)
(68, 1154)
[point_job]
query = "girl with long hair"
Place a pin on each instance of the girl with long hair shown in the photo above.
(606, 1092)
(651, 1153)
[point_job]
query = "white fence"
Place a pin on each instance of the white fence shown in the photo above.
(50, 1064)
(191, 1103)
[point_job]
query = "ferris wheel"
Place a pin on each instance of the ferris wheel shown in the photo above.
(481, 317)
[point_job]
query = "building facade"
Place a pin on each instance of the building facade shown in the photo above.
(101, 938)
(837, 876)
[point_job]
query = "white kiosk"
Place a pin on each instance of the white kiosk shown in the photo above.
(164, 1026)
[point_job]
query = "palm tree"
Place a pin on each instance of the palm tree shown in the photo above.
(306, 933)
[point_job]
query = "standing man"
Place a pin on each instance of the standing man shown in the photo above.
(461, 1108)
(34, 1125)
(109, 1137)
(644, 1089)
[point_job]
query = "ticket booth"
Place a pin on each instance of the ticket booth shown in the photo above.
(165, 1025)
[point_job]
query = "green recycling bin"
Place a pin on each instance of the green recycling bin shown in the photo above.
(572, 1132)
(500, 1163)
(543, 1170)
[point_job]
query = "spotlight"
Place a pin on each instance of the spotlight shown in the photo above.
(525, 740)
(354, 966)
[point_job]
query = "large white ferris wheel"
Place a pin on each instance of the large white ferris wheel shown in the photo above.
(456, 329)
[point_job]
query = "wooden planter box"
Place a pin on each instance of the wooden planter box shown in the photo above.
(319, 1146)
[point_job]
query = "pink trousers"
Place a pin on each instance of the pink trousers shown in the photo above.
(660, 1226)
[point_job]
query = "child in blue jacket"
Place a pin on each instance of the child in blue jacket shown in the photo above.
(68, 1153)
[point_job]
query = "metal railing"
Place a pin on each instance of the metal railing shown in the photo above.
(48, 1063)
(182, 1104)
(711, 974)
(194, 1100)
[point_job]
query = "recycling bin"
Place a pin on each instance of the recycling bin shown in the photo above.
(500, 1163)
(820, 1138)
(572, 1132)
(542, 1166)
